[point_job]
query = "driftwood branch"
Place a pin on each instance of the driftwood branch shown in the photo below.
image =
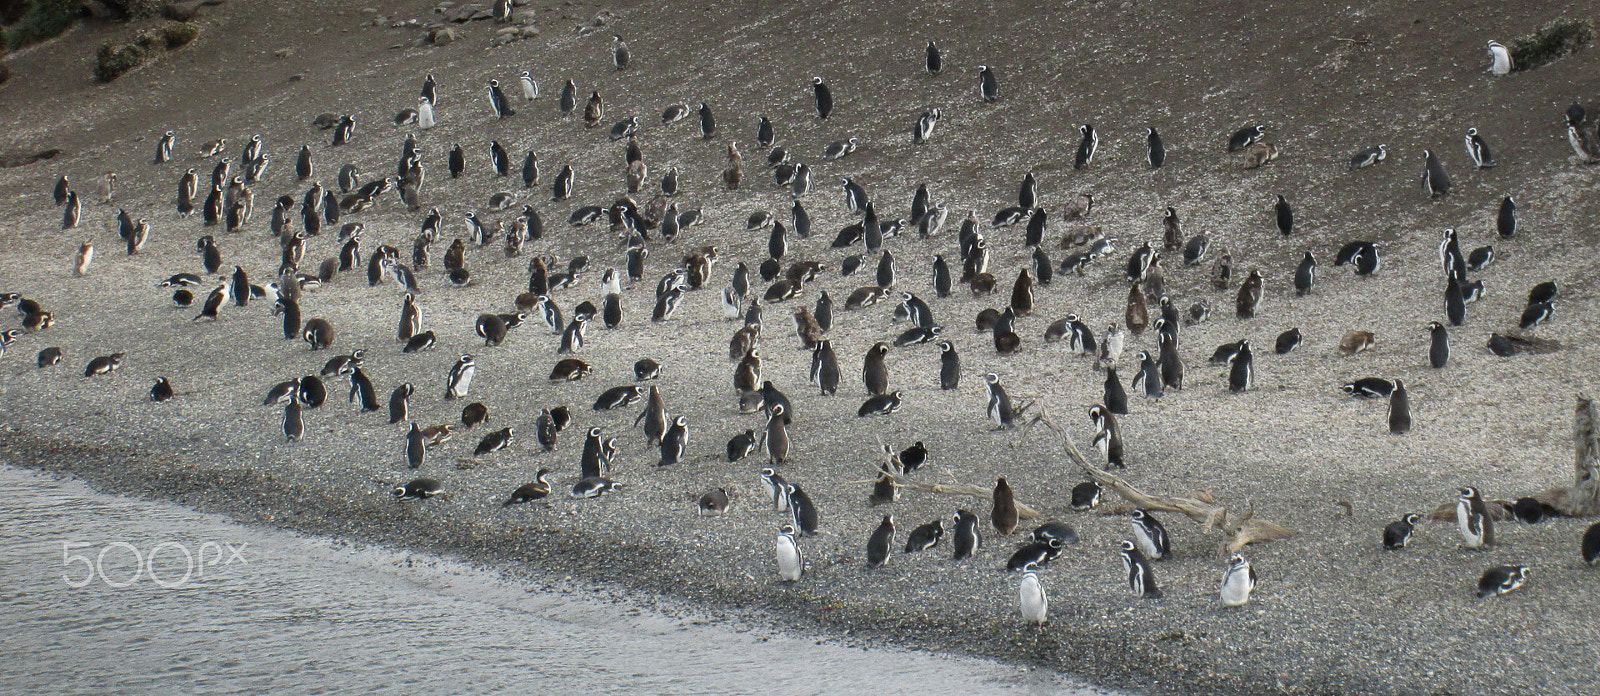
(1238, 529)
(1582, 498)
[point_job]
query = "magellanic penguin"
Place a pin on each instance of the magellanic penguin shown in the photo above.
(790, 564)
(1237, 582)
(416, 450)
(1108, 435)
(1249, 295)
(1500, 580)
(803, 510)
(459, 381)
(1478, 149)
(1141, 579)
(1305, 275)
(932, 60)
(1004, 514)
(988, 86)
(822, 97)
(1399, 409)
(1149, 376)
(1155, 149)
(1245, 137)
(949, 366)
(1398, 534)
(1088, 143)
(419, 489)
(1591, 544)
(1435, 181)
(1499, 59)
(776, 438)
(1369, 157)
(675, 441)
(880, 542)
(925, 536)
(999, 408)
(1439, 345)
(1473, 520)
(967, 537)
(1031, 599)
(294, 426)
(1241, 373)
(1150, 535)
(400, 404)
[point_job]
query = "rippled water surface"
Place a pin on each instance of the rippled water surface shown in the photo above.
(267, 611)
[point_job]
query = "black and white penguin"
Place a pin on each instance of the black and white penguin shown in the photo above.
(1500, 580)
(294, 425)
(880, 542)
(1368, 157)
(1245, 137)
(999, 408)
(1116, 398)
(419, 342)
(776, 438)
(988, 86)
(498, 102)
(675, 441)
(318, 333)
(932, 60)
(1536, 313)
(1085, 495)
(494, 442)
(1036, 554)
(311, 391)
(1399, 409)
(1088, 143)
(1141, 579)
(1284, 214)
(1591, 545)
(161, 391)
(822, 97)
(1305, 275)
(1108, 436)
(790, 564)
(1439, 345)
(561, 189)
(1473, 520)
(1237, 582)
(949, 366)
(881, 404)
(803, 510)
(419, 489)
(1398, 533)
(967, 537)
(361, 390)
(593, 487)
(416, 449)
(1150, 535)
(459, 380)
(1149, 376)
(1241, 373)
(1435, 181)
(400, 403)
(1478, 150)
(1139, 262)
(708, 122)
(1155, 149)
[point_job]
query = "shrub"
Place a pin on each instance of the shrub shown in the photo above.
(46, 19)
(1550, 43)
(179, 34)
(111, 62)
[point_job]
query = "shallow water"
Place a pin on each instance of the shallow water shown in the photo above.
(222, 608)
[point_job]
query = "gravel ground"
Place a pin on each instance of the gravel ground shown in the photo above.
(1334, 612)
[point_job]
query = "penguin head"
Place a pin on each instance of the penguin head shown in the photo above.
(1412, 518)
(1127, 546)
(816, 80)
(1469, 493)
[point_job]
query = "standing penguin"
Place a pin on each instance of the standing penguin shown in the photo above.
(776, 439)
(1004, 514)
(949, 366)
(1242, 374)
(1149, 376)
(823, 97)
(416, 446)
(1284, 214)
(988, 87)
(874, 372)
(569, 97)
(880, 542)
(1021, 294)
(967, 537)
(1439, 345)
(790, 565)
(1506, 219)
(400, 404)
(1141, 579)
(1478, 150)
(593, 110)
(85, 257)
(999, 409)
(294, 426)
(530, 89)
(619, 52)
(1155, 149)
(1237, 582)
(1087, 144)
(1399, 409)
(1499, 59)
(459, 380)
(1455, 302)
(1435, 180)
(1031, 599)
(498, 102)
(1150, 535)
(1305, 275)
(933, 62)
(1249, 295)
(675, 441)
(1472, 519)
(425, 118)
(708, 122)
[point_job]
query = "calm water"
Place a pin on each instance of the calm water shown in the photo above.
(266, 611)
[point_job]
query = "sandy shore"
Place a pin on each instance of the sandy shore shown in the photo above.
(1334, 612)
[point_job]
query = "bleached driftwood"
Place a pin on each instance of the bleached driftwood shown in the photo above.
(1238, 529)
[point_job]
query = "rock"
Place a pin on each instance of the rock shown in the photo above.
(506, 31)
(530, 31)
(440, 37)
(182, 11)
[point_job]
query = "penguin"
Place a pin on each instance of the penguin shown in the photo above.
(1543, 293)
(619, 397)
(1241, 374)
(741, 445)
(419, 489)
(1087, 144)
(1369, 387)
(1116, 398)
(923, 132)
(569, 95)
(1155, 149)
(1171, 363)
(561, 189)
(318, 333)
(1536, 313)
(48, 357)
(1478, 150)
(1439, 345)
(1500, 580)
(282, 392)
(1150, 535)
(161, 391)
(73, 211)
(708, 122)
(1149, 376)
(1141, 579)
(1035, 555)
(776, 438)
(529, 492)
(967, 537)
(874, 373)
(1022, 294)
(822, 97)
(1455, 302)
(164, 148)
(573, 337)
(790, 564)
(399, 403)
(932, 62)
(494, 442)
(419, 342)
(1237, 582)
(879, 543)
(1085, 496)
(1284, 214)
(1245, 137)
(1435, 181)
(497, 101)
(999, 408)
(294, 426)
(458, 161)
(1473, 519)
(361, 388)
(1305, 275)
(1479, 258)
(882, 404)
(1398, 533)
(1368, 157)
(416, 450)
(311, 391)
(1399, 409)
(1108, 436)
(1499, 59)
(803, 509)
(777, 489)
(1249, 295)
(1366, 260)
(1591, 544)
(674, 441)
(459, 380)
(1004, 514)
(593, 487)
(86, 256)
(988, 86)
